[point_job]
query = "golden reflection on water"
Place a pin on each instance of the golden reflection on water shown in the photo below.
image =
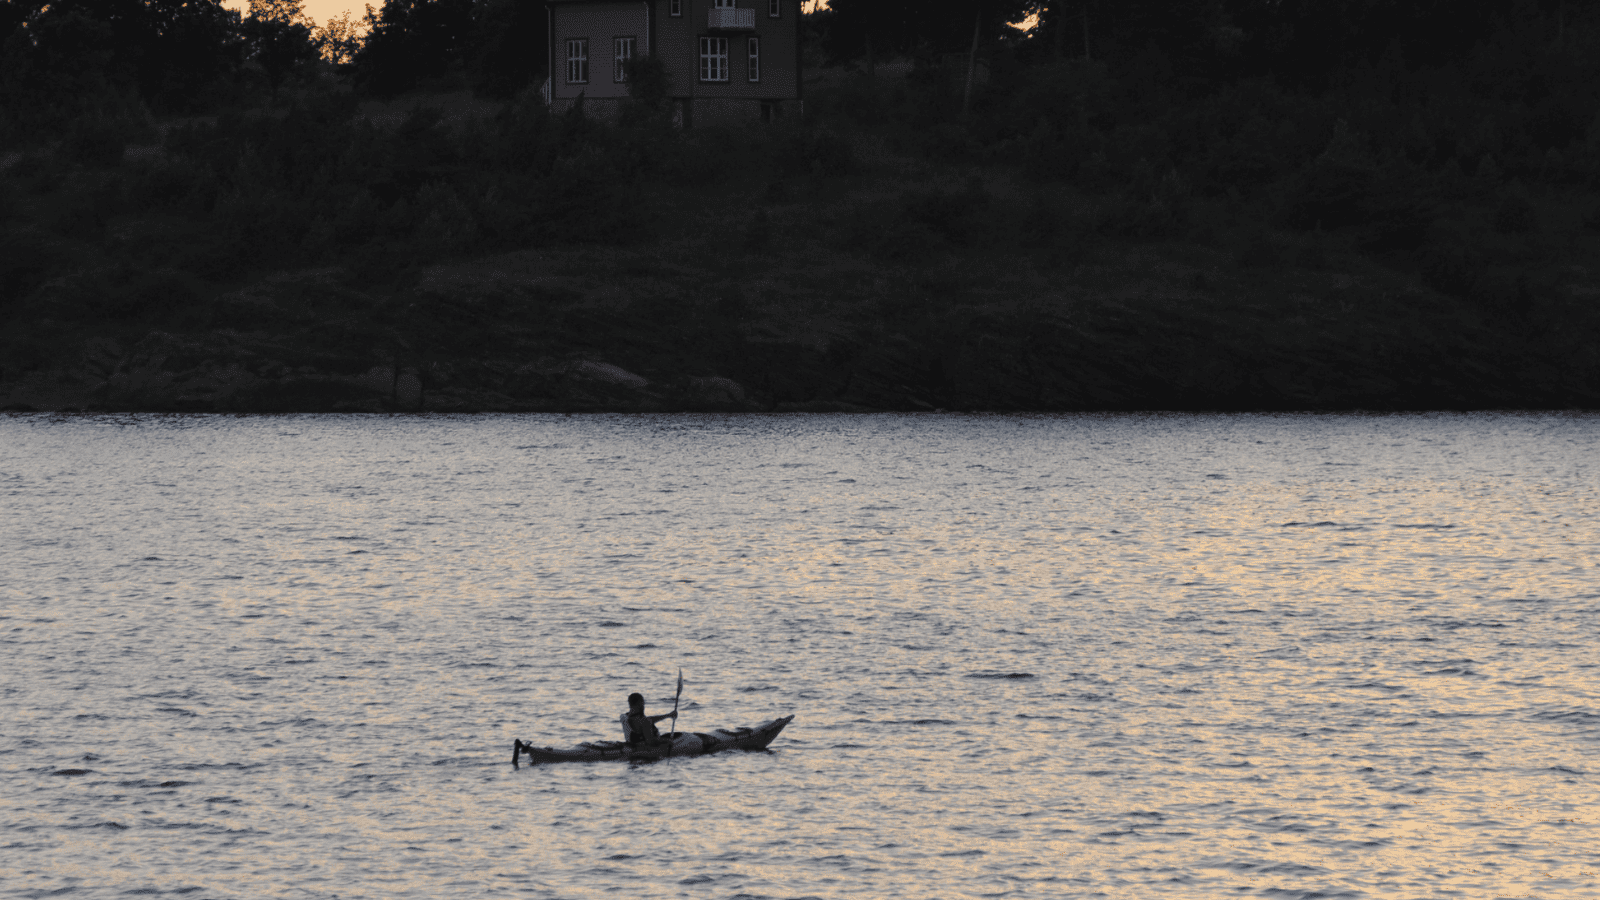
(1069, 656)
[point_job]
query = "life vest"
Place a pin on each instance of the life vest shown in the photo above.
(638, 729)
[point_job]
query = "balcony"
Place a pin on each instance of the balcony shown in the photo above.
(732, 20)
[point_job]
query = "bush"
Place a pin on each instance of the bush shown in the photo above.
(857, 100)
(957, 216)
(1044, 222)
(357, 220)
(1591, 219)
(28, 258)
(821, 151)
(1260, 249)
(1240, 164)
(882, 231)
(162, 296)
(948, 141)
(1138, 218)
(444, 222)
(649, 91)
(524, 136)
(163, 182)
(84, 213)
(1337, 189)
(1457, 262)
(1329, 195)
(94, 141)
(1515, 213)
(1065, 95)
(758, 234)
(1052, 153)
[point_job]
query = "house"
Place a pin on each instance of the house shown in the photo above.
(728, 60)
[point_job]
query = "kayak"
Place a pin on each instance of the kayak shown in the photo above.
(683, 744)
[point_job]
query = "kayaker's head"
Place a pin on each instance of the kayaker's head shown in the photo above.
(636, 702)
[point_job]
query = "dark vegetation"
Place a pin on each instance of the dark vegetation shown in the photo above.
(1319, 204)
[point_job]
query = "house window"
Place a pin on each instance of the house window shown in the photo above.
(755, 59)
(623, 56)
(723, 4)
(774, 8)
(713, 59)
(578, 61)
(675, 8)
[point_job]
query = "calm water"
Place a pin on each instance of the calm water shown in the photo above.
(1077, 656)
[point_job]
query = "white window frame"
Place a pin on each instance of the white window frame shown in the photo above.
(774, 9)
(621, 54)
(725, 4)
(753, 44)
(578, 61)
(714, 59)
(675, 8)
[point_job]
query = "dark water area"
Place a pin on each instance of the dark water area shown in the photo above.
(1119, 656)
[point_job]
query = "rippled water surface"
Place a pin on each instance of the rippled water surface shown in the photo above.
(1119, 656)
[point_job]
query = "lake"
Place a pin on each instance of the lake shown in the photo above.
(1124, 656)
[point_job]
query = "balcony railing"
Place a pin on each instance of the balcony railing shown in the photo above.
(733, 19)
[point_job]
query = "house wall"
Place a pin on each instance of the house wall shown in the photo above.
(600, 23)
(678, 40)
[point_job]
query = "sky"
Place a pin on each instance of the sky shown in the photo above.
(319, 10)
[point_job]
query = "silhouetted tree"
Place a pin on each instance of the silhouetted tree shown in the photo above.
(69, 54)
(278, 37)
(509, 49)
(874, 29)
(412, 39)
(58, 63)
(339, 39)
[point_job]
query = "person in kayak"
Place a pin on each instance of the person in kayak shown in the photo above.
(640, 727)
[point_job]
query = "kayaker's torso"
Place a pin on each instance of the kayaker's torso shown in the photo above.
(641, 730)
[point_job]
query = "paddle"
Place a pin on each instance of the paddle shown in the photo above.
(675, 710)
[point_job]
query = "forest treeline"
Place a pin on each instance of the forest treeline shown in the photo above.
(64, 56)
(1454, 146)
(1230, 93)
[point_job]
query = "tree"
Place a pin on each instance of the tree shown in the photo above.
(922, 28)
(412, 39)
(61, 63)
(169, 52)
(1057, 18)
(508, 47)
(278, 37)
(340, 39)
(193, 47)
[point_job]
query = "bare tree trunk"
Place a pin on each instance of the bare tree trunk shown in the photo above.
(972, 60)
